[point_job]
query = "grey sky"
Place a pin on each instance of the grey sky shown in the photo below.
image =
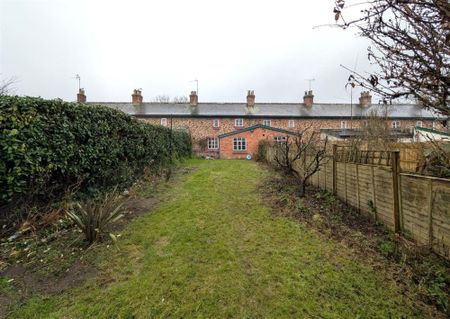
(160, 46)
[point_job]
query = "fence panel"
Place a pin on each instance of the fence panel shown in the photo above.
(365, 180)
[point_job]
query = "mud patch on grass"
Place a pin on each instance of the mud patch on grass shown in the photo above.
(26, 283)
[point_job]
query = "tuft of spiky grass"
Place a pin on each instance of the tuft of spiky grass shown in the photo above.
(93, 216)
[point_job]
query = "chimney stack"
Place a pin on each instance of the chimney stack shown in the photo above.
(193, 98)
(250, 98)
(365, 99)
(137, 97)
(308, 98)
(81, 96)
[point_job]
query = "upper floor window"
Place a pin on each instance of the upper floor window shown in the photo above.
(164, 121)
(419, 123)
(291, 124)
(343, 124)
(395, 124)
(213, 143)
(216, 123)
(266, 122)
(239, 144)
(239, 122)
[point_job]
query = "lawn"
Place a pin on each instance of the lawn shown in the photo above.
(212, 249)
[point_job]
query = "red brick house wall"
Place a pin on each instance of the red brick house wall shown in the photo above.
(202, 128)
(252, 138)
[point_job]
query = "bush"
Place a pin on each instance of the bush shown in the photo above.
(261, 153)
(48, 147)
(92, 216)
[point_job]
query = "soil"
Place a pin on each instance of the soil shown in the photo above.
(29, 280)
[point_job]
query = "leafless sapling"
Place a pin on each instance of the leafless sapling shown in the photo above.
(301, 155)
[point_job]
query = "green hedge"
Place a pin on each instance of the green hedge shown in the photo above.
(50, 146)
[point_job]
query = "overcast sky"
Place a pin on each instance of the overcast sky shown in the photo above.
(230, 46)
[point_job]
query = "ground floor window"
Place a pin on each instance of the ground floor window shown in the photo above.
(280, 139)
(239, 144)
(213, 143)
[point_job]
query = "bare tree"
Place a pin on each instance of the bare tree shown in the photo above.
(180, 99)
(161, 99)
(410, 46)
(6, 86)
(302, 156)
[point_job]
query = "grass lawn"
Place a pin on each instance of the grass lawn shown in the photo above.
(211, 249)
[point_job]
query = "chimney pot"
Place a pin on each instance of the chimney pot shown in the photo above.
(137, 97)
(365, 99)
(250, 98)
(193, 98)
(81, 96)
(308, 98)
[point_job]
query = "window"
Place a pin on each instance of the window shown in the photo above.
(343, 124)
(434, 125)
(239, 122)
(280, 139)
(266, 122)
(216, 123)
(164, 121)
(239, 144)
(419, 123)
(291, 124)
(395, 124)
(213, 143)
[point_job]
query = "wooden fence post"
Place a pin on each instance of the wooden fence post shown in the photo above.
(395, 163)
(334, 169)
(430, 214)
(374, 196)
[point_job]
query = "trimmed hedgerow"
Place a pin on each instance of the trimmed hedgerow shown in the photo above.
(50, 146)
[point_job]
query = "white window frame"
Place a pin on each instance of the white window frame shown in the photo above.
(213, 143)
(239, 122)
(239, 144)
(266, 122)
(291, 123)
(344, 124)
(164, 121)
(216, 123)
(280, 139)
(395, 124)
(419, 123)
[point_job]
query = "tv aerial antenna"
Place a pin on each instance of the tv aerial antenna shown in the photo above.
(78, 77)
(309, 83)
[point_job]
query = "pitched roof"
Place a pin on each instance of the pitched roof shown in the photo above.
(272, 110)
(424, 129)
(254, 127)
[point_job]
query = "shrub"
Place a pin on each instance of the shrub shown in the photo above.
(93, 216)
(261, 153)
(48, 147)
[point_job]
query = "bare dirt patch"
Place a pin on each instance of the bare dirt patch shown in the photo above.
(53, 259)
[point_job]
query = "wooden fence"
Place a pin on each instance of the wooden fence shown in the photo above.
(415, 206)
